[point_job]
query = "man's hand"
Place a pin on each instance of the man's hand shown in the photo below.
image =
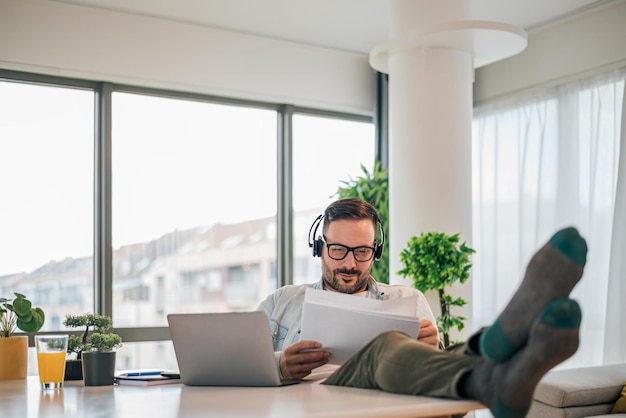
(295, 364)
(428, 333)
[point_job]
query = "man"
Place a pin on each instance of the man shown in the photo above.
(500, 366)
(348, 248)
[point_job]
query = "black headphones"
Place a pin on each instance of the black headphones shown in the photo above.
(318, 244)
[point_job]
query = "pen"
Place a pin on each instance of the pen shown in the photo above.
(146, 373)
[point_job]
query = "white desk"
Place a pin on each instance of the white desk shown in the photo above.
(25, 399)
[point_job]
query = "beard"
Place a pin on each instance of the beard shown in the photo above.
(332, 281)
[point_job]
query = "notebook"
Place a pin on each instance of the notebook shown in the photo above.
(224, 349)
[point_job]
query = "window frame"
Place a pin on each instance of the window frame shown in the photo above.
(102, 177)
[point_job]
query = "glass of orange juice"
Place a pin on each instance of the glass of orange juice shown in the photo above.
(51, 351)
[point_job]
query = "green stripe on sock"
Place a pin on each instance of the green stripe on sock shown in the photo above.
(494, 343)
(503, 411)
(569, 242)
(562, 313)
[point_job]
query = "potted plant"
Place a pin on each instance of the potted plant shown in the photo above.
(95, 348)
(373, 187)
(17, 313)
(435, 261)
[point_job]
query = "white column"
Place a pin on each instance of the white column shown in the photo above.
(430, 60)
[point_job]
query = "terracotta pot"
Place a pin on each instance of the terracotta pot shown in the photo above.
(13, 357)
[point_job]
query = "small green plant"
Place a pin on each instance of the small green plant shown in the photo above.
(373, 187)
(435, 261)
(19, 313)
(95, 336)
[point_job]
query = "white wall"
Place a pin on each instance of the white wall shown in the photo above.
(61, 39)
(581, 45)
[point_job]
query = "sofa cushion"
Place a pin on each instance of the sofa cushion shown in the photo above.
(610, 416)
(582, 386)
(541, 410)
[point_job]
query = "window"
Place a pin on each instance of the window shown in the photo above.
(192, 212)
(194, 187)
(46, 185)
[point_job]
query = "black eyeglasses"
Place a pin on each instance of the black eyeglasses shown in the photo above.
(340, 251)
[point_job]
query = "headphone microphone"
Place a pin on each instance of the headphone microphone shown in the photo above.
(318, 245)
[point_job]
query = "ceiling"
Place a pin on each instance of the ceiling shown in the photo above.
(349, 25)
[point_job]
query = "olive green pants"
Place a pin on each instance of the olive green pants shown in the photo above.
(397, 363)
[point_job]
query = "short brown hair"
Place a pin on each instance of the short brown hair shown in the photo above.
(350, 208)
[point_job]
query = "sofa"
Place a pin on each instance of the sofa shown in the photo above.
(578, 393)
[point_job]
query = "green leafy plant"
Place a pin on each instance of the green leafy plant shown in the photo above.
(373, 187)
(19, 313)
(95, 336)
(435, 261)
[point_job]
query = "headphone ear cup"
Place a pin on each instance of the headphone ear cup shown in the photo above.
(378, 252)
(318, 244)
(380, 246)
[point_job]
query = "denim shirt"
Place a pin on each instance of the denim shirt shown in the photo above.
(284, 308)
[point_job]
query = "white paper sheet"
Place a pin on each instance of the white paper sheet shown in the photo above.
(401, 306)
(344, 324)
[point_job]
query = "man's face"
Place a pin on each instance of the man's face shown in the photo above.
(348, 275)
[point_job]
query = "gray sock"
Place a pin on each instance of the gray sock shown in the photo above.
(552, 273)
(507, 388)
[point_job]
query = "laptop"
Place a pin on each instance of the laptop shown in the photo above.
(224, 349)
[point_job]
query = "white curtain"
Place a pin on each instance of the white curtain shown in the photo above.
(543, 161)
(615, 335)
